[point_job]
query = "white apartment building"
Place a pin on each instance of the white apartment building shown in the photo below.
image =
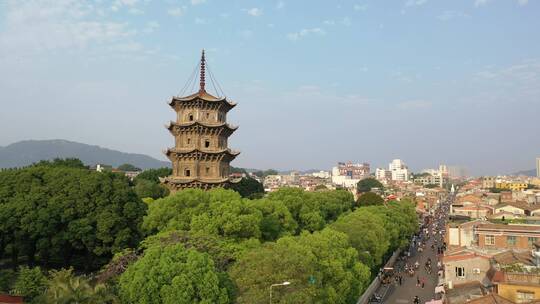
(322, 174)
(383, 174)
(399, 171)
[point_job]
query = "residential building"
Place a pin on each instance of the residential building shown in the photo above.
(488, 182)
(466, 265)
(348, 174)
(399, 171)
(491, 236)
(514, 186)
(322, 174)
(382, 174)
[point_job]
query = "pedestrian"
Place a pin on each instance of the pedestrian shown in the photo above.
(400, 280)
(423, 282)
(417, 281)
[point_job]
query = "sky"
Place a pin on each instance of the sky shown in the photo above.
(316, 81)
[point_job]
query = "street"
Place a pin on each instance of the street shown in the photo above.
(406, 292)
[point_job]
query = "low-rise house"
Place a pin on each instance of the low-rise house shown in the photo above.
(464, 293)
(466, 265)
(500, 236)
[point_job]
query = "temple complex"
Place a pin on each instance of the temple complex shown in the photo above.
(200, 157)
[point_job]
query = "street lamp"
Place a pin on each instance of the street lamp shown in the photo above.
(280, 284)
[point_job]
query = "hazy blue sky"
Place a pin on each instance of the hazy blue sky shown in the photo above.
(455, 82)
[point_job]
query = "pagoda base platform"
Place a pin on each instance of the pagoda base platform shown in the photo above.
(175, 185)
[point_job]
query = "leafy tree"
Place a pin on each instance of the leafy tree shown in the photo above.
(366, 233)
(60, 214)
(146, 188)
(216, 212)
(64, 287)
(276, 221)
(30, 283)
(249, 187)
(320, 187)
(128, 167)
(430, 186)
(7, 277)
(367, 184)
(313, 210)
(63, 162)
(153, 174)
(265, 173)
(172, 274)
(321, 267)
(370, 199)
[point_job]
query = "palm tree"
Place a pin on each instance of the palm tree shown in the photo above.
(66, 288)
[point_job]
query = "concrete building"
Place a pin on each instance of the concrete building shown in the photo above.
(200, 157)
(382, 174)
(399, 171)
(322, 174)
(348, 174)
(464, 266)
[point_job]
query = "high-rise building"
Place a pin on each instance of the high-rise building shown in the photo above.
(538, 167)
(400, 172)
(200, 157)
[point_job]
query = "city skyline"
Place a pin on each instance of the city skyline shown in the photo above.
(350, 80)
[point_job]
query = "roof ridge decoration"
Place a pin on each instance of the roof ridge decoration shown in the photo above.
(202, 74)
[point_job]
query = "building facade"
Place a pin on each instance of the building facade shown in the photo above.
(200, 157)
(348, 174)
(400, 172)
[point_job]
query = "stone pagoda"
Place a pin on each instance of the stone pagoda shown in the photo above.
(200, 157)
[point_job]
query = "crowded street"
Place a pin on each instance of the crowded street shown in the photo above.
(415, 276)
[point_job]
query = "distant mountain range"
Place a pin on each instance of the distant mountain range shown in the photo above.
(531, 172)
(26, 152)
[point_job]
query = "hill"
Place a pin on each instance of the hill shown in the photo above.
(26, 152)
(531, 172)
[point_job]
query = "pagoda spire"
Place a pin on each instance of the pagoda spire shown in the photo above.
(202, 76)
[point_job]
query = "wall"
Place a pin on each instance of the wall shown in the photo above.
(469, 266)
(509, 291)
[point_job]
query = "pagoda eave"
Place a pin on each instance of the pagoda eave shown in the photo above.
(172, 124)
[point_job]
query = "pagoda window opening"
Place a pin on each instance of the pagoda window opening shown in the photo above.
(207, 115)
(190, 117)
(207, 170)
(189, 141)
(187, 172)
(207, 143)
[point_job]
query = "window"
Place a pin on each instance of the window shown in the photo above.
(531, 241)
(207, 115)
(190, 117)
(489, 240)
(207, 170)
(511, 240)
(524, 296)
(188, 172)
(189, 141)
(207, 144)
(460, 272)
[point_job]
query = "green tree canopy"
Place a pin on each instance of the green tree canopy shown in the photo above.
(146, 188)
(370, 199)
(128, 167)
(60, 214)
(321, 267)
(153, 174)
(249, 188)
(367, 184)
(172, 275)
(31, 284)
(313, 210)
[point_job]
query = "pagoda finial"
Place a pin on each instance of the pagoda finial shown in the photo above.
(203, 79)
